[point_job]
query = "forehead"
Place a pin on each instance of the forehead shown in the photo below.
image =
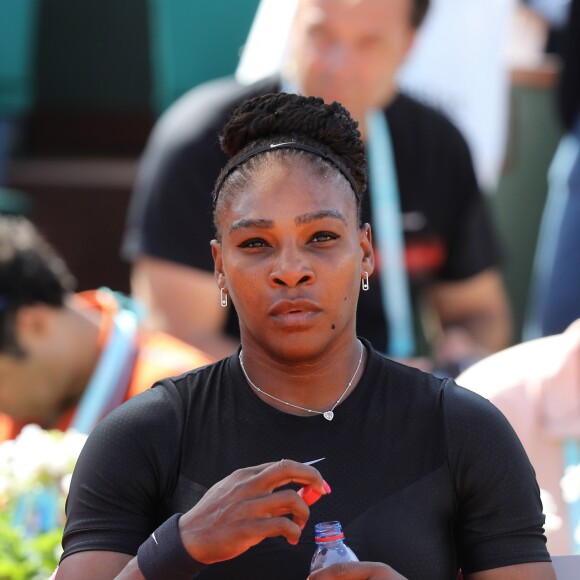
(286, 186)
(355, 17)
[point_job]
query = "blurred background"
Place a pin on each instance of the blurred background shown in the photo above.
(82, 83)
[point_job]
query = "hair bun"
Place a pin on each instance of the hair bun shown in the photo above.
(285, 116)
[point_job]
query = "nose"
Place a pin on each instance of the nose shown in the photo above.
(337, 59)
(291, 268)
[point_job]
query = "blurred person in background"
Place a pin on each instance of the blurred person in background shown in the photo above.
(555, 292)
(68, 359)
(536, 385)
(434, 237)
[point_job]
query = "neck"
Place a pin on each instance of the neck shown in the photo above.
(316, 385)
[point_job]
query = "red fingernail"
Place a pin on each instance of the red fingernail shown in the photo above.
(326, 486)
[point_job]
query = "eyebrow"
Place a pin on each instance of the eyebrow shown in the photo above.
(318, 215)
(300, 220)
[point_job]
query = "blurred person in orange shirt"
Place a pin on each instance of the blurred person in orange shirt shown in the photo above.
(68, 359)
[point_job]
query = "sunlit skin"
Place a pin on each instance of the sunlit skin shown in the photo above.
(351, 50)
(291, 257)
(24, 392)
(60, 346)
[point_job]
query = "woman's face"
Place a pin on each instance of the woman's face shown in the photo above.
(291, 258)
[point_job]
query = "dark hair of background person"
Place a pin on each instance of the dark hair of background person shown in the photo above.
(282, 117)
(419, 11)
(31, 272)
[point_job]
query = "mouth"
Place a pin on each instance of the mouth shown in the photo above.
(295, 312)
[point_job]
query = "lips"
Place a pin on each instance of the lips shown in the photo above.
(294, 308)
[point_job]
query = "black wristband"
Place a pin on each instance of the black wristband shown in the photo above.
(163, 554)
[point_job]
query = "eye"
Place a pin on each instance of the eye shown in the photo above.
(253, 243)
(324, 237)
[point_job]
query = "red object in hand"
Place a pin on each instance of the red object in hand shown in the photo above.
(310, 495)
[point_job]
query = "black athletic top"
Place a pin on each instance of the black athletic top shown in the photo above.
(448, 230)
(426, 476)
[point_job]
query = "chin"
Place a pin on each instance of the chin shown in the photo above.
(298, 347)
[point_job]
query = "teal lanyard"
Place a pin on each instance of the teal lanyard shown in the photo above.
(572, 458)
(388, 233)
(110, 378)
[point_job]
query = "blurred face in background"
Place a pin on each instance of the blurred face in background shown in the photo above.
(37, 385)
(350, 50)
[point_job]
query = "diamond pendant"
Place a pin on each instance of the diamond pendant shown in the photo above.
(328, 415)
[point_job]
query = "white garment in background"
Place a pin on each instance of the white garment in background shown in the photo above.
(458, 65)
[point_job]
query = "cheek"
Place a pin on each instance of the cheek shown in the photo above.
(12, 391)
(244, 286)
(345, 278)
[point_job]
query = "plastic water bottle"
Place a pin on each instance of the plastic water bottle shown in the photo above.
(330, 546)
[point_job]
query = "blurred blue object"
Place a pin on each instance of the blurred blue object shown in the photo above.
(14, 202)
(18, 19)
(18, 25)
(193, 42)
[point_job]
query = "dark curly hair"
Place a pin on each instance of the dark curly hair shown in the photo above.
(282, 117)
(31, 272)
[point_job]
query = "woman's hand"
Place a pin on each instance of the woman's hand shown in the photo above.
(357, 571)
(241, 510)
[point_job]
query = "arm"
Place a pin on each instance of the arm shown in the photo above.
(98, 565)
(183, 301)
(170, 226)
(532, 571)
(376, 571)
(471, 317)
(235, 514)
(499, 520)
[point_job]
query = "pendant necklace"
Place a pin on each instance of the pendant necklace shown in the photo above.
(328, 415)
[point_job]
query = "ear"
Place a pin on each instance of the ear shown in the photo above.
(366, 244)
(216, 252)
(34, 325)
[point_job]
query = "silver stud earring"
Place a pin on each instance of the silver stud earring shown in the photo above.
(365, 282)
(223, 298)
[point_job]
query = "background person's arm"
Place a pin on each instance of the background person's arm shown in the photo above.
(183, 301)
(471, 317)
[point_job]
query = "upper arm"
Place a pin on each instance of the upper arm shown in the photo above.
(459, 299)
(529, 571)
(93, 566)
(499, 512)
(182, 301)
(479, 301)
(126, 466)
